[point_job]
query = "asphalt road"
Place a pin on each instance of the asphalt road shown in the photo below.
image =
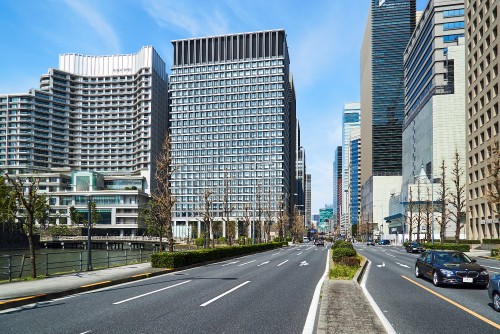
(410, 305)
(268, 292)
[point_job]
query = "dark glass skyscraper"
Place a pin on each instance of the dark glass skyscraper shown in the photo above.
(393, 22)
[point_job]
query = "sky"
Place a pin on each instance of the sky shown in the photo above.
(324, 41)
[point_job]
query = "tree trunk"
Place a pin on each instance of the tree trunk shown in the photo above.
(32, 245)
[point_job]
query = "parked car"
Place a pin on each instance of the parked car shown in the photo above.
(384, 242)
(450, 267)
(494, 291)
(413, 247)
(370, 243)
(319, 242)
(305, 239)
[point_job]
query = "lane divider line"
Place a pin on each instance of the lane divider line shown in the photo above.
(313, 309)
(225, 293)
(282, 263)
(299, 253)
(149, 293)
(239, 265)
(387, 325)
(94, 284)
(463, 308)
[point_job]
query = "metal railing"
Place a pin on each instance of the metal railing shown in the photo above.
(19, 265)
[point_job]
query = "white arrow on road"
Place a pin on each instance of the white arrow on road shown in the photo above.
(262, 263)
(402, 265)
(303, 263)
(381, 265)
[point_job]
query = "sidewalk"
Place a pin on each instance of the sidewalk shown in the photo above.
(26, 292)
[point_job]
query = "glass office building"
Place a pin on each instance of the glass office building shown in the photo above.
(232, 124)
(393, 22)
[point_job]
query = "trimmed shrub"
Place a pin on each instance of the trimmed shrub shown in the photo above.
(342, 244)
(461, 248)
(181, 259)
(495, 252)
(199, 242)
(491, 241)
(339, 253)
(222, 240)
(470, 242)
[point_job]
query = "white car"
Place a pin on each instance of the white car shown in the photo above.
(305, 239)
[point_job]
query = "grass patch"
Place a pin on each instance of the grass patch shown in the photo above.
(342, 272)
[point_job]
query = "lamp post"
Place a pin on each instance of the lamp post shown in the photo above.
(89, 237)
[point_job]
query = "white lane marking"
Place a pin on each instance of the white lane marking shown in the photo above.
(227, 264)
(85, 332)
(246, 263)
(381, 265)
(149, 293)
(491, 267)
(225, 293)
(282, 263)
(390, 255)
(402, 265)
(299, 253)
(303, 263)
(263, 263)
(383, 319)
(311, 315)
(275, 254)
(310, 248)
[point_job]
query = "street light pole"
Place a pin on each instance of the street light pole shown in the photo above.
(89, 237)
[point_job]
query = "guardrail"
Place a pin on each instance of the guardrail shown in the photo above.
(19, 265)
(96, 237)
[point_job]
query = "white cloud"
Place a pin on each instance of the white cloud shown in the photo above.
(184, 16)
(97, 22)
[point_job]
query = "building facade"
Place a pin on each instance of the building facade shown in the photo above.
(354, 190)
(337, 188)
(481, 24)
(232, 125)
(308, 199)
(95, 114)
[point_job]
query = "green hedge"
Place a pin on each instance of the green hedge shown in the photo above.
(462, 248)
(462, 241)
(491, 241)
(181, 259)
(495, 252)
(342, 244)
(339, 253)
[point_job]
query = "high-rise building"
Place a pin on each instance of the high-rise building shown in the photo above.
(308, 200)
(98, 121)
(434, 95)
(300, 174)
(481, 24)
(354, 176)
(232, 125)
(392, 23)
(337, 189)
(94, 113)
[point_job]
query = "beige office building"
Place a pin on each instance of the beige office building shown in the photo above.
(482, 113)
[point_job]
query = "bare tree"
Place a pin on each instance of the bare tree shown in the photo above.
(457, 196)
(411, 219)
(418, 219)
(493, 186)
(297, 224)
(207, 217)
(162, 195)
(246, 223)
(443, 198)
(269, 217)
(428, 216)
(228, 208)
(260, 225)
(33, 204)
(281, 221)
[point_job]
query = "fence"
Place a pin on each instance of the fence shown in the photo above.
(19, 265)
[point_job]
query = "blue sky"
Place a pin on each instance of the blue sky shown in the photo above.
(324, 40)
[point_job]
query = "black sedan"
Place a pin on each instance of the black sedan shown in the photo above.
(450, 267)
(414, 247)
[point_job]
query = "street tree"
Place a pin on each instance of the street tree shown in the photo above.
(268, 216)
(149, 218)
(33, 204)
(207, 217)
(418, 218)
(162, 195)
(457, 196)
(411, 218)
(443, 203)
(228, 208)
(297, 224)
(246, 222)
(8, 208)
(428, 216)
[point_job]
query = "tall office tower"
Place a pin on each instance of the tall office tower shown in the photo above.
(392, 23)
(337, 188)
(94, 113)
(354, 192)
(300, 173)
(233, 125)
(482, 114)
(434, 96)
(350, 122)
(308, 200)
